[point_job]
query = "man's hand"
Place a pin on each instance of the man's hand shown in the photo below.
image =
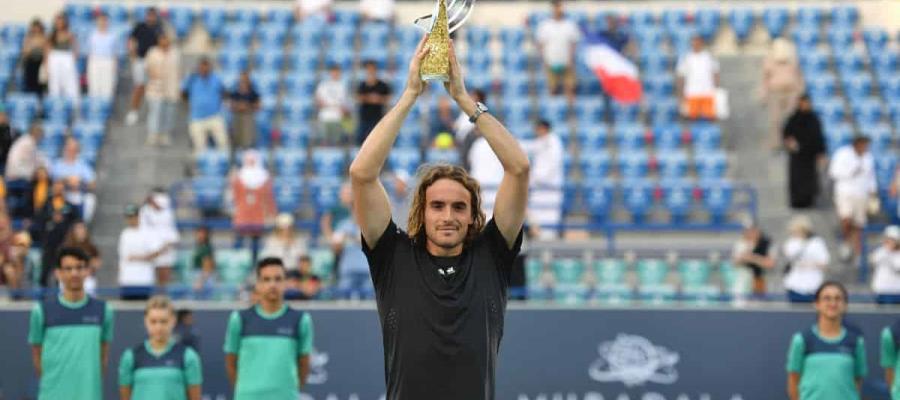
(414, 84)
(456, 86)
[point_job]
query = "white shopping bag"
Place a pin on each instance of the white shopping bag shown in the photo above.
(721, 103)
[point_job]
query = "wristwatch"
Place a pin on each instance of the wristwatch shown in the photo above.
(480, 108)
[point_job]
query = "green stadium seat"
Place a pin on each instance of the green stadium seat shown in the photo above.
(613, 293)
(568, 271)
(323, 264)
(694, 273)
(652, 272)
(657, 294)
(233, 265)
(571, 295)
(34, 258)
(610, 271)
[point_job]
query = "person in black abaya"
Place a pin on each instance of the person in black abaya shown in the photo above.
(805, 144)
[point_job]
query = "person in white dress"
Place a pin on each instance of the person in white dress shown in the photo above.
(807, 258)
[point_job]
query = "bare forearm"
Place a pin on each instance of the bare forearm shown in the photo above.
(125, 393)
(194, 392)
(792, 386)
(889, 376)
(374, 152)
(104, 356)
(505, 146)
(231, 368)
(303, 371)
(36, 359)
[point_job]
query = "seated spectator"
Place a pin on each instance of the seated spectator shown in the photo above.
(754, 252)
(163, 66)
(16, 270)
(698, 78)
(204, 260)
(138, 250)
(377, 10)
(313, 8)
(782, 84)
(21, 163)
(886, 260)
(557, 38)
(254, 201)
(310, 284)
(79, 237)
(332, 98)
(547, 178)
(807, 258)
(41, 185)
(244, 102)
(50, 227)
(79, 177)
(337, 213)
(6, 138)
(372, 94)
(444, 120)
(353, 269)
(203, 91)
(284, 243)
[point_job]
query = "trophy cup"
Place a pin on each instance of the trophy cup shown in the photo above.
(444, 20)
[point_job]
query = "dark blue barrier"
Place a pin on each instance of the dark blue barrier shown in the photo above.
(546, 354)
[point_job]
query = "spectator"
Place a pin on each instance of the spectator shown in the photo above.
(158, 218)
(853, 170)
(805, 144)
(443, 121)
(101, 67)
(547, 178)
(79, 178)
(337, 213)
(284, 243)
(184, 329)
(51, 225)
(698, 78)
(254, 202)
(617, 38)
(310, 284)
(62, 76)
(313, 8)
(377, 10)
(6, 138)
(353, 270)
(79, 237)
(162, 64)
(138, 250)
(894, 191)
(16, 269)
(755, 252)
(144, 36)
(485, 167)
(557, 38)
(782, 83)
(332, 98)
(372, 95)
(203, 90)
(23, 158)
(244, 105)
(886, 259)
(204, 260)
(807, 258)
(41, 186)
(6, 247)
(34, 50)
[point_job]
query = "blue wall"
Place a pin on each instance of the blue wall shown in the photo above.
(546, 354)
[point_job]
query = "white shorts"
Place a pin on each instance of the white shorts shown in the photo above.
(166, 259)
(852, 207)
(138, 71)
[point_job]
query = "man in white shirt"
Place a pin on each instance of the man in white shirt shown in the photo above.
(485, 167)
(556, 39)
(377, 10)
(308, 8)
(853, 170)
(138, 250)
(547, 177)
(23, 157)
(101, 67)
(698, 78)
(886, 261)
(332, 98)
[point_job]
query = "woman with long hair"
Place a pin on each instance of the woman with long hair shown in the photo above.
(827, 360)
(62, 48)
(34, 47)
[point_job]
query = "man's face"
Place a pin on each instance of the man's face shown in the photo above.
(71, 150)
(541, 130)
(102, 22)
(37, 132)
(159, 323)
(270, 283)
(72, 273)
(448, 213)
(204, 68)
(861, 147)
(371, 70)
(132, 221)
(151, 18)
(558, 11)
(831, 303)
(697, 43)
(335, 73)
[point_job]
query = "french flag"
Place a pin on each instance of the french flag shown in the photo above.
(618, 75)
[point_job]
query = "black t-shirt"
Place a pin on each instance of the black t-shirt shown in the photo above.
(441, 333)
(146, 37)
(249, 97)
(372, 112)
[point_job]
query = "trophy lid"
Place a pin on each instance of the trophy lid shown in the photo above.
(457, 13)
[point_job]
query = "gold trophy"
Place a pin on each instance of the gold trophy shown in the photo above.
(444, 20)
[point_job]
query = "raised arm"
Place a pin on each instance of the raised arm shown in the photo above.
(512, 196)
(371, 207)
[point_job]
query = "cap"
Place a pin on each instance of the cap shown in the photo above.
(892, 232)
(132, 210)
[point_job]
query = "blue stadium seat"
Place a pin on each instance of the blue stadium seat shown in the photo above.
(806, 37)
(775, 20)
(269, 59)
(867, 110)
(680, 39)
(212, 163)
(595, 164)
(518, 110)
(678, 198)
(280, 16)
(374, 35)
(302, 68)
(52, 143)
(885, 63)
(707, 23)
(599, 198)
(844, 16)
(554, 109)
(742, 21)
(589, 110)
(591, 137)
(308, 32)
(664, 111)
(233, 60)
(181, 19)
(633, 164)
(857, 85)
(809, 16)
(380, 58)
(672, 164)
(668, 136)
(649, 36)
(22, 105)
(717, 198)
(288, 192)
(78, 12)
(630, 136)
(830, 110)
(624, 113)
(329, 161)
(890, 88)
(434, 156)
(515, 61)
(407, 160)
(478, 60)
(340, 36)
(880, 135)
(516, 85)
(711, 164)
(213, 20)
(139, 12)
(850, 62)
(512, 38)
(876, 39)
(88, 134)
(411, 134)
(95, 109)
(266, 82)
(208, 192)
(477, 36)
(812, 61)
(290, 162)
(674, 19)
(117, 13)
(706, 136)
(347, 17)
(822, 85)
(885, 165)
(637, 196)
(248, 16)
(57, 109)
(837, 135)
(407, 37)
(298, 108)
(340, 57)
(642, 18)
(271, 34)
(841, 40)
(13, 32)
(237, 35)
(325, 192)
(295, 136)
(659, 85)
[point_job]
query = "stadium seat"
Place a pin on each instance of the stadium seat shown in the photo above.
(308, 33)
(280, 16)
(347, 17)
(288, 193)
(664, 111)
(880, 135)
(435, 156)
(267, 83)
(237, 35)
(638, 198)
(290, 161)
(678, 198)
(300, 84)
(814, 61)
(642, 18)
(821, 85)
(711, 164)
(695, 281)
(625, 112)
(680, 39)
(518, 110)
(742, 21)
(246, 16)
(512, 38)
(837, 135)
(674, 19)
(707, 23)
(876, 39)
(809, 17)
(340, 36)
(652, 276)
(672, 163)
(515, 61)
(775, 20)
(342, 57)
(554, 109)
(407, 37)
(374, 35)
(661, 84)
(844, 16)
(806, 37)
(611, 286)
(717, 198)
(329, 162)
(22, 106)
(567, 271)
(57, 109)
(630, 136)
(233, 265)
(841, 40)
(867, 110)
(591, 137)
(831, 110)
(885, 165)
(595, 164)
(231, 60)
(325, 192)
(667, 136)
(516, 85)
(649, 36)
(477, 36)
(181, 19)
(208, 192)
(12, 33)
(478, 61)
(706, 136)
(850, 62)
(599, 198)
(88, 134)
(95, 109)
(588, 111)
(405, 159)
(271, 34)
(885, 63)
(298, 108)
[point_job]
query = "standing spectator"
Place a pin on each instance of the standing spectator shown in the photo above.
(162, 64)
(557, 39)
(62, 75)
(547, 178)
(805, 144)
(807, 258)
(244, 105)
(698, 78)
(332, 98)
(485, 167)
(754, 251)
(70, 359)
(853, 170)
(204, 90)
(353, 272)
(890, 358)
(50, 227)
(101, 67)
(204, 260)
(617, 38)
(782, 83)
(254, 201)
(34, 50)
(284, 243)
(158, 218)
(828, 359)
(6, 138)
(79, 177)
(372, 94)
(79, 237)
(886, 259)
(23, 158)
(313, 8)
(138, 250)
(377, 10)
(144, 36)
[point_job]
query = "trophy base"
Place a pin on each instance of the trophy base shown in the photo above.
(435, 77)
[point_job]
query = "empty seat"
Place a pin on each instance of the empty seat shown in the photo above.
(840, 39)
(630, 136)
(775, 20)
(706, 136)
(599, 198)
(96, 109)
(831, 110)
(637, 195)
(837, 135)
(876, 39)
(849, 63)
(208, 192)
(717, 198)
(406, 160)
(436, 156)
(478, 60)
(512, 38)
(298, 108)
(554, 109)
(591, 137)
(674, 19)
(814, 61)
(677, 198)
(374, 35)
(672, 164)
(844, 16)
(668, 136)
(272, 34)
(711, 164)
(477, 36)
(288, 193)
(89, 134)
(247, 16)
(880, 135)
(595, 164)
(806, 37)
(57, 109)
(290, 162)
(809, 16)
(707, 22)
(340, 36)
(325, 192)
(867, 110)
(329, 161)
(237, 34)
(742, 21)
(233, 61)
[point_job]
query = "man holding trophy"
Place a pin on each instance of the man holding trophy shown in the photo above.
(440, 286)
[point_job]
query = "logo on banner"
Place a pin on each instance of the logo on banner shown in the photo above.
(317, 373)
(634, 361)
